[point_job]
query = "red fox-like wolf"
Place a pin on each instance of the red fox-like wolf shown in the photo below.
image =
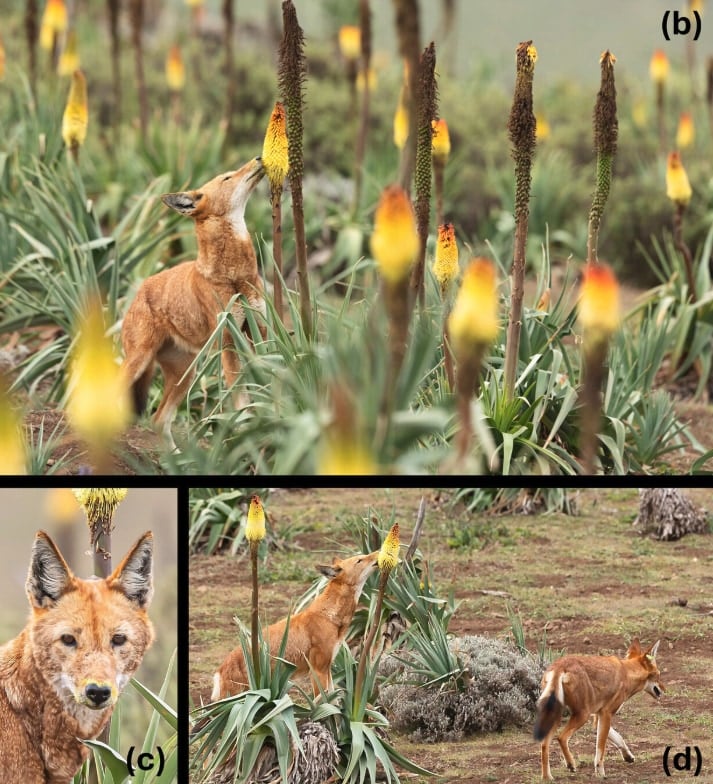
(61, 676)
(315, 633)
(176, 311)
(592, 686)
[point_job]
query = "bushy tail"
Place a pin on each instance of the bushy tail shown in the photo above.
(549, 707)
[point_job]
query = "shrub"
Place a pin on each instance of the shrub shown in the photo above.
(501, 690)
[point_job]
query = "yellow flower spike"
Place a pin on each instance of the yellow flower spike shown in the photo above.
(99, 503)
(99, 407)
(389, 553)
(342, 457)
(370, 81)
(441, 142)
(401, 125)
(350, 42)
(274, 149)
(639, 114)
(445, 264)
(175, 69)
(76, 113)
(53, 23)
(532, 54)
(599, 308)
(678, 188)
(686, 132)
(2, 61)
(13, 457)
(659, 67)
(61, 505)
(255, 524)
(395, 242)
(542, 127)
(474, 320)
(69, 59)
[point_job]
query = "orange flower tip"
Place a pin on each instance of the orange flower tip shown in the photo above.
(350, 42)
(441, 141)
(678, 188)
(686, 131)
(395, 242)
(659, 67)
(255, 524)
(474, 321)
(175, 69)
(599, 308)
(389, 553)
(275, 157)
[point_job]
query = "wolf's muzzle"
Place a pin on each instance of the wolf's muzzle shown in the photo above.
(97, 696)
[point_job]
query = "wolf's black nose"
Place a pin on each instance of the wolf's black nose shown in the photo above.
(96, 694)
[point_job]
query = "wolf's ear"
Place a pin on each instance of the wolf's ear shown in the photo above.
(653, 650)
(329, 571)
(634, 649)
(185, 203)
(49, 575)
(134, 576)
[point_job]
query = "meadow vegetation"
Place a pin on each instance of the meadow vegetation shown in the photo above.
(334, 388)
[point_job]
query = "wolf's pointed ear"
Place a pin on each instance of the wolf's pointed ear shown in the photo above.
(329, 571)
(653, 650)
(134, 576)
(634, 648)
(185, 203)
(48, 575)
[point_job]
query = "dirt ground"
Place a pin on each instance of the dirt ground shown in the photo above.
(591, 582)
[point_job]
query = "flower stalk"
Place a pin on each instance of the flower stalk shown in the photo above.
(387, 560)
(408, 36)
(394, 245)
(658, 70)
(364, 69)
(31, 33)
(427, 111)
(678, 190)
(440, 152)
(136, 19)
(255, 533)
(291, 76)
(606, 129)
(599, 311)
(472, 325)
(522, 131)
(99, 505)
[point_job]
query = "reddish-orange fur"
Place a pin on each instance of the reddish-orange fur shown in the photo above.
(592, 686)
(176, 311)
(61, 676)
(315, 633)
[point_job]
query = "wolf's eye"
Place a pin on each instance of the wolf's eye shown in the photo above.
(118, 639)
(69, 640)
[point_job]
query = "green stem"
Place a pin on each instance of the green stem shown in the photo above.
(254, 612)
(361, 669)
